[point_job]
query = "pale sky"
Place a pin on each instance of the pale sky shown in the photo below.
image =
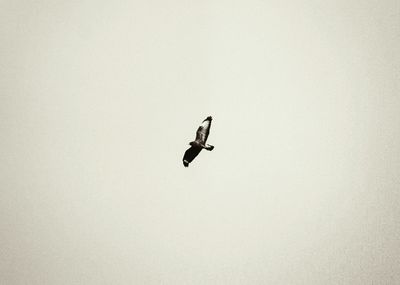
(99, 100)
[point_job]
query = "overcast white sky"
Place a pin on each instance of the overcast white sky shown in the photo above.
(99, 100)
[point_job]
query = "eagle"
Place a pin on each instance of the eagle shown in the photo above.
(199, 143)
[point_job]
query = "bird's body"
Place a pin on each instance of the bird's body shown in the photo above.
(199, 143)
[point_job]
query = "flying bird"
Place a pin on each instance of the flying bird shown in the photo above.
(199, 143)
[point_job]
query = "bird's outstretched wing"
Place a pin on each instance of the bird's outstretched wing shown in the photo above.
(204, 130)
(190, 154)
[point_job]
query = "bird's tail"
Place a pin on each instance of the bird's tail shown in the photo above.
(209, 147)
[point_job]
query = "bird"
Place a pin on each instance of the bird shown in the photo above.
(199, 143)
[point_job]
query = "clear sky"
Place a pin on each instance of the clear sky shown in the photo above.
(99, 100)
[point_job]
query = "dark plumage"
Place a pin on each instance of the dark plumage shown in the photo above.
(197, 145)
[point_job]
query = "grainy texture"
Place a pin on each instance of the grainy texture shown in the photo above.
(99, 99)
